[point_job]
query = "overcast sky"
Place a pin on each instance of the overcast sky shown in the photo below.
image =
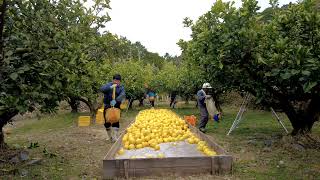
(157, 24)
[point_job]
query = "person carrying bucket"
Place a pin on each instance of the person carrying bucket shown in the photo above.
(114, 94)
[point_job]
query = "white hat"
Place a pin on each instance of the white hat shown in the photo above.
(206, 85)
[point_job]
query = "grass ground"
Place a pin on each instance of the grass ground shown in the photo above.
(257, 145)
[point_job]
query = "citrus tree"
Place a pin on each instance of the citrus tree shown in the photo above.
(277, 61)
(43, 45)
(135, 75)
(195, 73)
(168, 77)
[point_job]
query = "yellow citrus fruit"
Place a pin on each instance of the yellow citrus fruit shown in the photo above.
(191, 141)
(156, 147)
(131, 140)
(196, 140)
(155, 126)
(139, 141)
(161, 155)
(131, 146)
(121, 151)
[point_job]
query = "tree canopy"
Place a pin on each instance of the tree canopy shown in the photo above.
(277, 61)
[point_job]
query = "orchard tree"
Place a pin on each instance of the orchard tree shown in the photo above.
(37, 58)
(81, 43)
(135, 75)
(196, 72)
(168, 78)
(276, 61)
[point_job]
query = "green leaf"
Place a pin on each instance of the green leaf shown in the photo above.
(14, 76)
(260, 59)
(308, 86)
(306, 73)
(220, 65)
(285, 75)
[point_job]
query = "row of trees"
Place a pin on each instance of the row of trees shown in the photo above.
(44, 44)
(274, 55)
(53, 51)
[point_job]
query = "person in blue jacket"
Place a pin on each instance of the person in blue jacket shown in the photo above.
(107, 90)
(152, 96)
(202, 95)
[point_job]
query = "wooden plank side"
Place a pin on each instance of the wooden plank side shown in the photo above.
(215, 165)
(179, 171)
(127, 168)
(170, 162)
(225, 164)
(110, 170)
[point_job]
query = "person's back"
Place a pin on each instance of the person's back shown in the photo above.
(173, 101)
(151, 94)
(107, 91)
(173, 95)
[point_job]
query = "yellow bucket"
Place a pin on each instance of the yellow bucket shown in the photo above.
(124, 105)
(84, 121)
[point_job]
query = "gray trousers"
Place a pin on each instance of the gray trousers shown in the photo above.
(204, 116)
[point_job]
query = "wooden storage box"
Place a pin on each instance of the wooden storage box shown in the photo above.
(219, 164)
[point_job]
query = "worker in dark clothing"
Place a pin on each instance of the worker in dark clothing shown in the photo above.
(173, 101)
(201, 99)
(120, 95)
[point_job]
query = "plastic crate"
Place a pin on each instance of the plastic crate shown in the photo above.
(99, 117)
(84, 121)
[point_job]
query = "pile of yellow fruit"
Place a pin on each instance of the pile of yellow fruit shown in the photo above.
(155, 126)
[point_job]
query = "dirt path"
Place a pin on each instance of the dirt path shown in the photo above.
(79, 150)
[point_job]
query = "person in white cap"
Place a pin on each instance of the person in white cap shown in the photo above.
(202, 95)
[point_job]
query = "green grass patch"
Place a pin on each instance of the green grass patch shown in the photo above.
(49, 122)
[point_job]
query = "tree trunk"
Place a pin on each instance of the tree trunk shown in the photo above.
(187, 100)
(74, 104)
(217, 103)
(131, 104)
(302, 119)
(93, 109)
(2, 143)
(301, 125)
(4, 119)
(140, 102)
